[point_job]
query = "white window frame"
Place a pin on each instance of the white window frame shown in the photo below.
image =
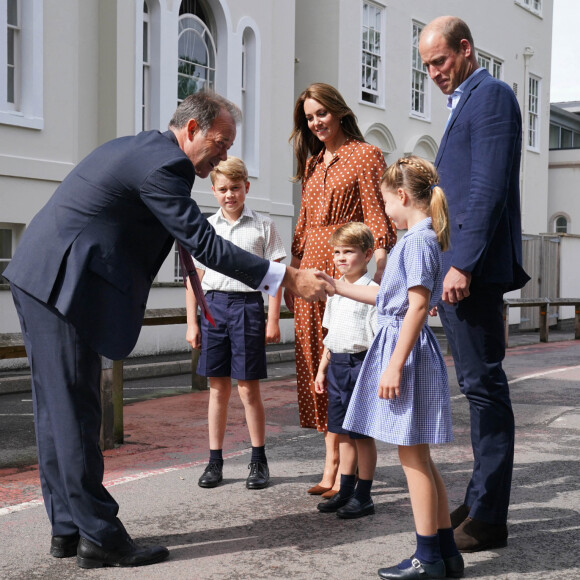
(27, 108)
(14, 230)
(419, 71)
(250, 96)
(146, 69)
(534, 6)
(372, 59)
(533, 112)
(203, 33)
(493, 65)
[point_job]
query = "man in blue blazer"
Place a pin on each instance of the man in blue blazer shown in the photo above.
(479, 167)
(80, 279)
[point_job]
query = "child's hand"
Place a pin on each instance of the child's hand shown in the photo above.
(272, 332)
(320, 383)
(389, 384)
(193, 336)
(433, 311)
(324, 276)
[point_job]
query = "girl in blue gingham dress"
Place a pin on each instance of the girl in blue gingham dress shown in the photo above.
(402, 392)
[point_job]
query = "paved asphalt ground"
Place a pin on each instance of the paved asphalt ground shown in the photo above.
(231, 532)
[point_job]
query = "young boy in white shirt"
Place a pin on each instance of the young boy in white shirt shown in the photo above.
(351, 328)
(236, 346)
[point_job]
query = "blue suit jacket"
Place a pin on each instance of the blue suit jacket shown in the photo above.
(479, 168)
(94, 249)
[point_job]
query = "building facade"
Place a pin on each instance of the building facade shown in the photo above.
(76, 74)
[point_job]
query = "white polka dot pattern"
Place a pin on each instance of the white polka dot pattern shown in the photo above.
(346, 190)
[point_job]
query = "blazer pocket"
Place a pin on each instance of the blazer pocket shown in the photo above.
(112, 272)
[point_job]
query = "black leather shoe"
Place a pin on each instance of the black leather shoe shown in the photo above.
(259, 477)
(64, 546)
(334, 503)
(416, 570)
(475, 536)
(212, 475)
(355, 509)
(90, 555)
(454, 566)
(458, 515)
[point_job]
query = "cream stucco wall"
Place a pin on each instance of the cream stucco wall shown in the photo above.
(91, 94)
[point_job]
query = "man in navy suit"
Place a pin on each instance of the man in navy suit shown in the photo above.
(479, 167)
(80, 279)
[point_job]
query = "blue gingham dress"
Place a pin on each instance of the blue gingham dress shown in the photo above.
(422, 412)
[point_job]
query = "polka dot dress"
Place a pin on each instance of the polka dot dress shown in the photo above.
(345, 190)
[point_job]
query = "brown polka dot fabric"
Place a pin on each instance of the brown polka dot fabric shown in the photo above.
(346, 190)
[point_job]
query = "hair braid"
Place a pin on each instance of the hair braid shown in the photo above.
(420, 180)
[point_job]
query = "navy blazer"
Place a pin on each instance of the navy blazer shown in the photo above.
(95, 248)
(479, 168)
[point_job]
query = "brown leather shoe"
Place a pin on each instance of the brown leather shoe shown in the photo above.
(475, 536)
(458, 515)
(318, 490)
(330, 493)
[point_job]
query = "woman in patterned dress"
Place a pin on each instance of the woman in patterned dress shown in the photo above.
(340, 175)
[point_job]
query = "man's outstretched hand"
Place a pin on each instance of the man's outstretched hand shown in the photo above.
(308, 284)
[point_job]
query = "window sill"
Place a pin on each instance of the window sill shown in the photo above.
(17, 119)
(530, 10)
(380, 106)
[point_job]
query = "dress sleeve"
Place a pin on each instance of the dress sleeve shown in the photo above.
(369, 177)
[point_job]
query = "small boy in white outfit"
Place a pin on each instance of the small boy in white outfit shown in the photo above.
(351, 328)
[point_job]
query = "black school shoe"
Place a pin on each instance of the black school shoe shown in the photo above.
(212, 475)
(90, 555)
(333, 504)
(416, 570)
(64, 546)
(259, 477)
(354, 508)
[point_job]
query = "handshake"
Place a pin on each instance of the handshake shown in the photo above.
(310, 285)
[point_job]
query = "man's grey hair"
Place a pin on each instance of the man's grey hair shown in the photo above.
(204, 107)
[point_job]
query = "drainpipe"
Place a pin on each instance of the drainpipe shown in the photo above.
(528, 53)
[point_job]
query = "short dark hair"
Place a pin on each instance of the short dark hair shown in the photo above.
(454, 31)
(204, 107)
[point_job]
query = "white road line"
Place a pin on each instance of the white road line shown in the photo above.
(125, 479)
(543, 374)
(528, 377)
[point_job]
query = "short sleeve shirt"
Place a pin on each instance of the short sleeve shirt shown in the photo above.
(417, 260)
(253, 232)
(351, 325)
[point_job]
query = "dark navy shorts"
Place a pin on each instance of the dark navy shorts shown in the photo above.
(236, 347)
(341, 378)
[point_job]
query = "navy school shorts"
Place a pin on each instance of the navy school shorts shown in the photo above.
(236, 347)
(341, 378)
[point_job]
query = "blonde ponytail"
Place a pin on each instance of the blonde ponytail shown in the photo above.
(440, 216)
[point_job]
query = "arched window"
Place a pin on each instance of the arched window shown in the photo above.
(196, 51)
(249, 72)
(561, 225)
